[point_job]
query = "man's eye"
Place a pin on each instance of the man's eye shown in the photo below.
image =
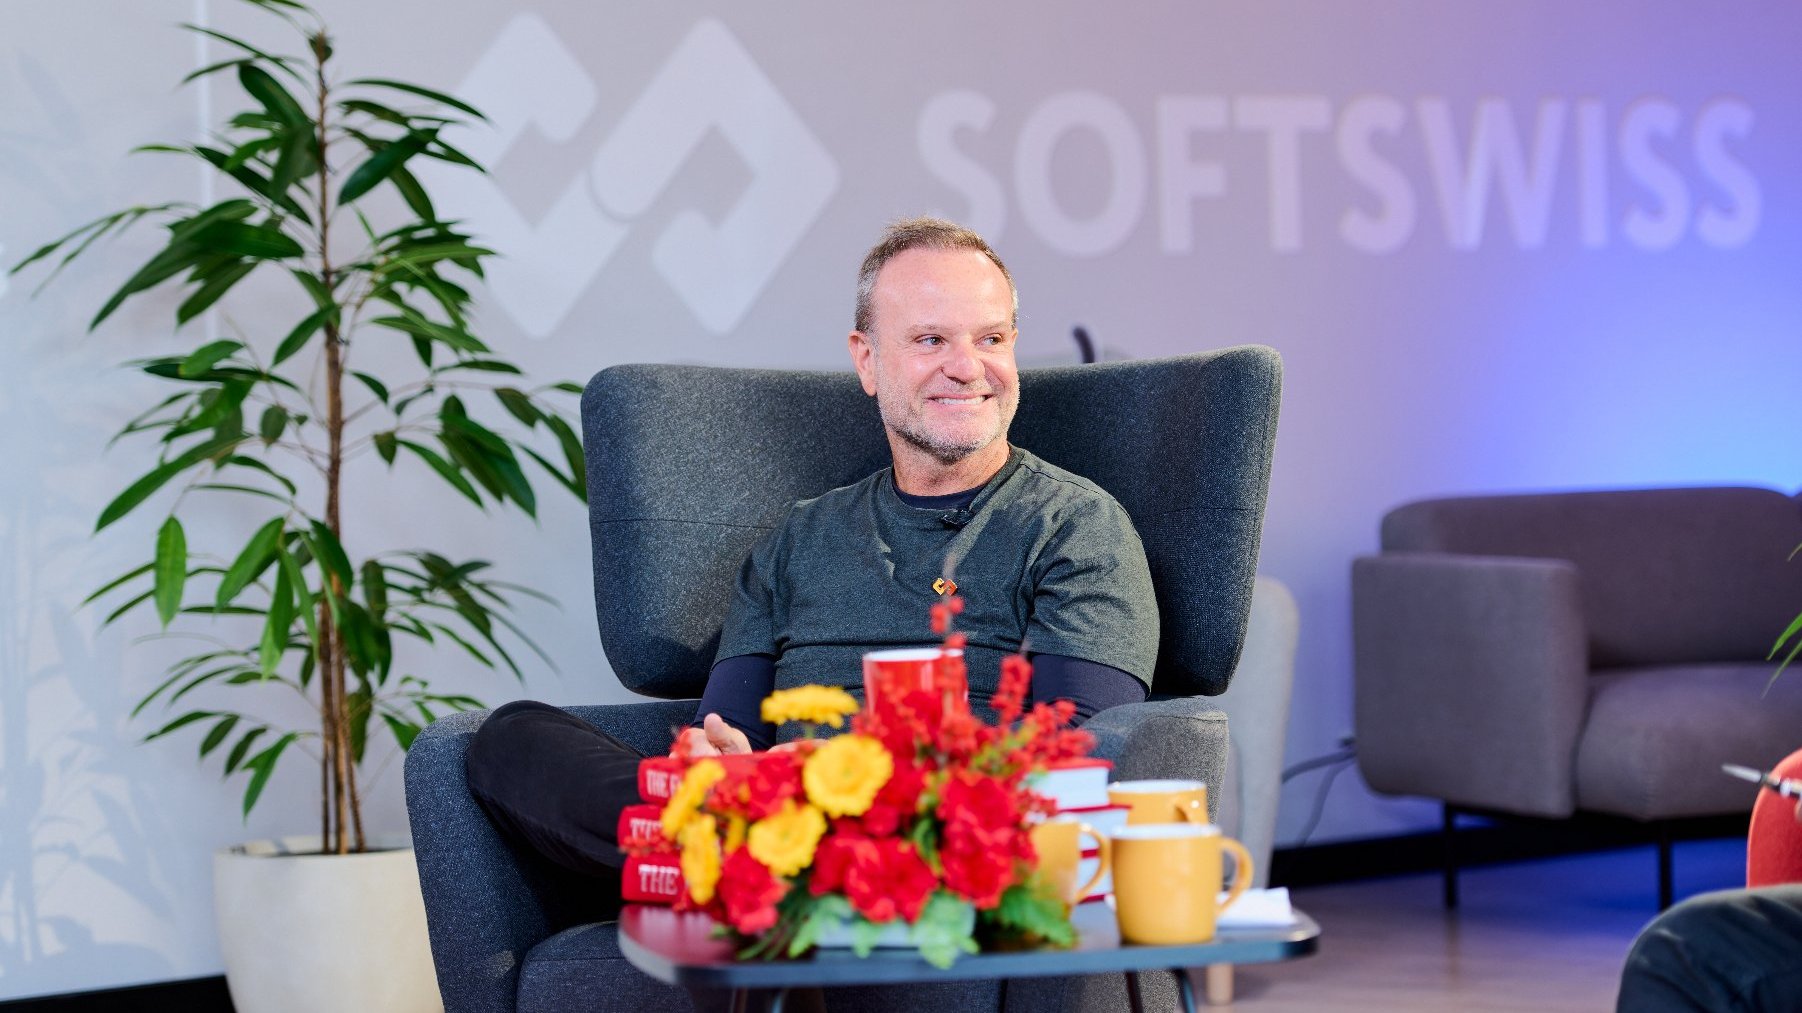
(930, 339)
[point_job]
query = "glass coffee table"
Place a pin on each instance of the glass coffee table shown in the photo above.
(679, 949)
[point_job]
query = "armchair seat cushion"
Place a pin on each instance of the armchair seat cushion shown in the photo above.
(1657, 736)
(582, 968)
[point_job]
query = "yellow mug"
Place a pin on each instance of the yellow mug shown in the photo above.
(1167, 881)
(1161, 801)
(1058, 843)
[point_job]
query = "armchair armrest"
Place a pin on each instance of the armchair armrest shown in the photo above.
(486, 904)
(1471, 678)
(1184, 737)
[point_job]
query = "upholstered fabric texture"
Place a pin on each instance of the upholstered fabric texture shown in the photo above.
(689, 465)
(1669, 575)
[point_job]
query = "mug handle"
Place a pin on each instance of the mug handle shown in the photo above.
(1241, 871)
(1105, 855)
(1194, 811)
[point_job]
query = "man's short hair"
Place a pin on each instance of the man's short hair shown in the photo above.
(921, 233)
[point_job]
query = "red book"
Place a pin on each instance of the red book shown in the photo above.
(652, 879)
(659, 777)
(641, 826)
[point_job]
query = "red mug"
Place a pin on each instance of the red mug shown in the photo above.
(915, 668)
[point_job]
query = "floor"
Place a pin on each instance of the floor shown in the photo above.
(1546, 936)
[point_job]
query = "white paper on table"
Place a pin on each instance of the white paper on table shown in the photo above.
(1259, 909)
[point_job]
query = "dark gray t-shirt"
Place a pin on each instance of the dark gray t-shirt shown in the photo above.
(1040, 555)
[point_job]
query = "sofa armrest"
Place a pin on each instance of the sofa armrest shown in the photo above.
(486, 905)
(1471, 678)
(1180, 738)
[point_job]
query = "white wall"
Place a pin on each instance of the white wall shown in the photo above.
(1501, 246)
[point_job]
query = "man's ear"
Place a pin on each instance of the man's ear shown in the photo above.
(863, 353)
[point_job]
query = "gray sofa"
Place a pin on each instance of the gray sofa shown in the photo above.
(1576, 654)
(686, 467)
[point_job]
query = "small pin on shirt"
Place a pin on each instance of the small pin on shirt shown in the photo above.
(945, 587)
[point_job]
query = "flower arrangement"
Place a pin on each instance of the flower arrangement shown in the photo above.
(918, 816)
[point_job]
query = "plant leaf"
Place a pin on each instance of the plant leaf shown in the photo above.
(404, 731)
(271, 94)
(181, 722)
(329, 552)
(218, 734)
(117, 581)
(261, 766)
(207, 356)
(439, 97)
(171, 568)
(379, 165)
(236, 756)
(273, 423)
(157, 477)
(376, 387)
(275, 631)
(258, 553)
(297, 338)
(445, 470)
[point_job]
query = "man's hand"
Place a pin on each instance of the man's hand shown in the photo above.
(715, 738)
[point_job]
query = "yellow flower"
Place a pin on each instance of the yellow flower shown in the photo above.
(785, 840)
(701, 857)
(843, 776)
(687, 800)
(735, 832)
(820, 705)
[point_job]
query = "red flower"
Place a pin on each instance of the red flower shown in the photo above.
(755, 788)
(889, 878)
(833, 859)
(1010, 696)
(979, 866)
(897, 802)
(749, 892)
(986, 804)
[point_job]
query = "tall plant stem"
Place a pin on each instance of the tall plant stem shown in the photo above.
(331, 646)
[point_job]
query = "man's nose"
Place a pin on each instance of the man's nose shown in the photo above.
(962, 363)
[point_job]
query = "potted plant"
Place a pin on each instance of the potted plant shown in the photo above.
(277, 415)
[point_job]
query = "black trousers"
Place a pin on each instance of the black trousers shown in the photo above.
(554, 785)
(1723, 952)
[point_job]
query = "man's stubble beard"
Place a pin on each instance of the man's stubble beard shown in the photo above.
(942, 451)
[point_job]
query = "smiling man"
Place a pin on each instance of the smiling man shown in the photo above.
(1044, 560)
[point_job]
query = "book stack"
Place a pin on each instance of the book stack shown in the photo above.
(1079, 790)
(653, 869)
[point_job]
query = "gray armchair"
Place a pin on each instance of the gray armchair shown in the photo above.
(686, 467)
(1585, 654)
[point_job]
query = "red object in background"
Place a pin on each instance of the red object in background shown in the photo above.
(914, 668)
(652, 879)
(1774, 842)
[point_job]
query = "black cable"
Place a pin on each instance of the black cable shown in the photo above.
(1084, 347)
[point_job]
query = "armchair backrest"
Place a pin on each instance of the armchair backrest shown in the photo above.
(689, 465)
(1666, 576)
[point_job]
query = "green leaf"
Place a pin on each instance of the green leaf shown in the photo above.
(157, 477)
(127, 607)
(297, 338)
(273, 423)
(439, 97)
(519, 405)
(252, 463)
(263, 242)
(117, 581)
(176, 257)
(258, 553)
(272, 95)
(385, 445)
(445, 470)
(261, 766)
(218, 734)
(944, 929)
(358, 707)
(181, 722)
(572, 453)
(483, 365)
(1033, 911)
(279, 61)
(251, 180)
(375, 588)
(297, 581)
(411, 192)
(207, 356)
(213, 289)
(564, 480)
(404, 731)
(212, 68)
(383, 163)
(376, 387)
(231, 210)
(236, 756)
(171, 568)
(328, 551)
(275, 632)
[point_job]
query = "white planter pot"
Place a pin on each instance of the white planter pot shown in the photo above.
(303, 932)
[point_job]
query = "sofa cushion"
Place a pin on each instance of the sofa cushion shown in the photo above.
(1668, 576)
(582, 969)
(1656, 738)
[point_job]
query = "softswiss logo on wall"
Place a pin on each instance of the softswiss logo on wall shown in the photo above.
(528, 80)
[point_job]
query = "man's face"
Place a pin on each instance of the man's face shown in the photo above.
(939, 357)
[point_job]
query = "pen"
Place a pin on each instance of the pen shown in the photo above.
(1784, 786)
